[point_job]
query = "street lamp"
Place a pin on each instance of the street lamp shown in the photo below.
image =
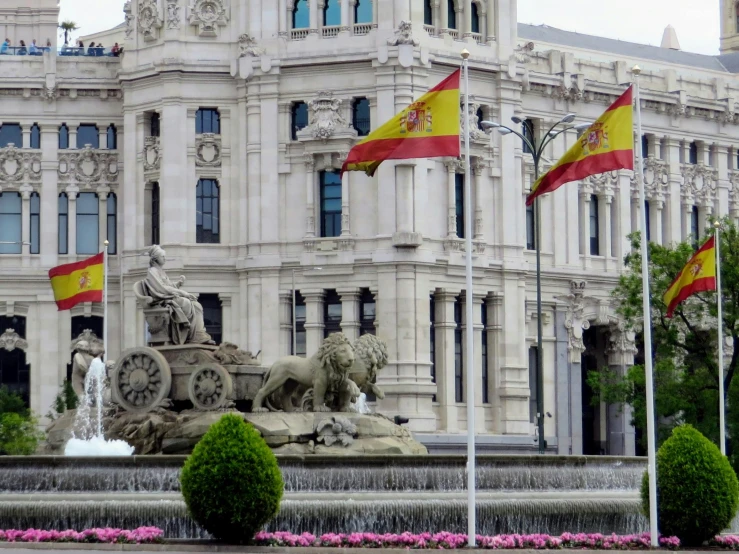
(536, 147)
(295, 328)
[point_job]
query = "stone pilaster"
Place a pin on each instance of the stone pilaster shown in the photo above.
(313, 319)
(621, 350)
(349, 312)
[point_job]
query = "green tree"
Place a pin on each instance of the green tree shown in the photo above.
(66, 399)
(68, 27)
(19, 434)
(684, 347)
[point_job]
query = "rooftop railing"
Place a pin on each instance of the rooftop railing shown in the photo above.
(88, 51)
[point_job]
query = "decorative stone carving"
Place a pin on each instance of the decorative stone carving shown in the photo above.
(476, 134)
(129, 18)
(152, 156)
(141, 380)
(208, 16)
(10, 340)
(699, 184)
(572, 93)
(325, 117)
(370, 356)
(88, 166)
(335, 430)
(81, 365)
(17, 165)
(403, 35)
(94, 343)
(575, 321)
(208, 150)
(149, 20)
(734, 191)
(523, 52)
(230, 354)
(173, 14)
(621, 344)
(50, 93)
(604, 184)
(249, 47)
(210, 388)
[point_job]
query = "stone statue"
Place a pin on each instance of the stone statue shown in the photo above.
(325, 374)
(370, 356)
(186, 324)
(80, 366)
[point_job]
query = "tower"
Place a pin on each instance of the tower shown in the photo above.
(729, 26)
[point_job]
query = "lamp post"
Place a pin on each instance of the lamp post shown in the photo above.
(295, 328)
(537, 146)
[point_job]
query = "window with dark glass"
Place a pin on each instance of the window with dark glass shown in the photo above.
(428, 13)
(594, 227)
(530, 228)
(35, 136)
(693, 153)
(87, 133)
(459, 203)
(63, 223)
(330, 184)
(363, 11)
(737, 18)
(331, 313)
(533, 377)
(694, 229)
(331, 13)
(458, 356)
(432, 339)
(111, 221)
(63, 136)
(35, 217)
(212, 316)
(527, 130)
(207, 206)
(299, 325)
(10, 223)
(155, 213)
(112, 137)
(88, 222)
(11, 133)
(644, 146)
(361, 116)
(480, 118)
(154, 124)
(207, 120)
(646, 215)
(298, 118)
(301, 15)
(80, 324)
(451, 15)
(367, 314)
(475, 18)
(14, 371)
(484, 354)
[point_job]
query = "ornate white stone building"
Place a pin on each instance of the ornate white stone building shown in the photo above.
(218, 134)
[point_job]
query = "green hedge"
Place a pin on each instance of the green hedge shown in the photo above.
(697, 490)
(231, 482)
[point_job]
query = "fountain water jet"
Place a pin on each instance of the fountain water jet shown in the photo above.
(88, 437)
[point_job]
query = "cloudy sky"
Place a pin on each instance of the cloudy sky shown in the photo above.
(696, 21)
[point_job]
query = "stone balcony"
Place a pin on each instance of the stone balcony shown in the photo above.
(88, 168)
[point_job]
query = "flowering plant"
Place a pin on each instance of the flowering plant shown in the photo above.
(107, 535)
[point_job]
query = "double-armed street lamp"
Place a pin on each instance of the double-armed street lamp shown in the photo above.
(536, 147)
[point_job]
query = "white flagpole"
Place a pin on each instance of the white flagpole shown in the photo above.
(470, 350)
(105, 301)
(651, 436)
(721, 400)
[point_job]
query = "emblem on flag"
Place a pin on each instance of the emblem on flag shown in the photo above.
(416, 119)
(698, 275)
(595, 139)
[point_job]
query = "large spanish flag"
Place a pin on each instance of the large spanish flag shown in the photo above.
(698, 275)
(607, 145)
(78, 282)
(428, 128)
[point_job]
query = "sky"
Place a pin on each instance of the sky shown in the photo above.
(643, 21)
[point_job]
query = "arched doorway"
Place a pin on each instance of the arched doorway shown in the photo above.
(89, 329)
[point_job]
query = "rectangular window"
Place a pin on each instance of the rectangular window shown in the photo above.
(63, 230)
(527, 128)
(331, 313)
(207, 206)
(451, 15)
(644, 146)
(533, 373)
(484, 353)
(88, 133)
(111, 220)
(301, 15)
(530, 228)
(428, 13)
(361, 116)
(35, 136)
(11, 133)
(63, 136)
(212, 316)
(693, 153)
(459, 203)
(432, 339)
(154, 213)
(207, 120)
(112, 137)
(458, 353)
(694, 228)
(330, 204)
(367, 313)
(646, 215)
(88, 222)
(154, 123)
(594, 227)
(35, 217)
(299, 325)
(10, 223)
(298, 118)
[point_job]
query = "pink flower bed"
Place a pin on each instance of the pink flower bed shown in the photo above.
(136, 536)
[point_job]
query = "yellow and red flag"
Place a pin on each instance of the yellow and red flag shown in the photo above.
(607, 145)
(698, 275)
(78, 282)
(428, 128)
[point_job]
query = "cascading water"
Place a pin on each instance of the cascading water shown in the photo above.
(88, 438)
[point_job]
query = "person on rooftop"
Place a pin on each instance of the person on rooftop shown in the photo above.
(5, 46)
(33, 50)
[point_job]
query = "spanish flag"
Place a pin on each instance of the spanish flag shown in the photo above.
(78, 282)
(607, 145)
(698, 275)
(428, 128)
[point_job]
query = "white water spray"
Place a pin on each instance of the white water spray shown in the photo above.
(88, 438)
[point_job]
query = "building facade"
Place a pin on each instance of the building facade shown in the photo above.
(219, 132)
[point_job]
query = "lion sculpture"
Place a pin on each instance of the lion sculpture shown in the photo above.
(326, 373)
(370, 356)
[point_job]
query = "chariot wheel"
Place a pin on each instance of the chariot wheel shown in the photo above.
(141, 380)
(210, 387)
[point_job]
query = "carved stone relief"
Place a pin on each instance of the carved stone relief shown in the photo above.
(476, 134)
(621, 344)
(249, 47)
(699, 184)
(403, 35)
(325, 117)
(208, 150)
(208, 16)
(523, 52)
(88, 167)
(150, 20)
(17, 165)
(173, 14)
(575, 321)
(129, 18)
(10, 340)
(152, 156)
(94, 343)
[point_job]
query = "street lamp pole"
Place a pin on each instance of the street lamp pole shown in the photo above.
(536, 146)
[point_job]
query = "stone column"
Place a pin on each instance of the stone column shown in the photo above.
(604, 215)
(564, 391)
(584, 223)
(72, 220)
(282, 18)
(721, 153)
(375, 13)
(478, 168)
(490, 22)
(445, 327)
(25, 225)
(286, 323)
(229, 331)
(621, 350)
(310, 203)
(350, 312)
(443, 21)
(103, 138)
(254, 311)
(451, 167)
(26, 140)
(493, 304)
(102, 193)
(687, 217)
(313, 319)
(478, 306)
(345, 217)
(345, 16)
(73, 137)
(467, 27)
(313, 7)
(49, 236)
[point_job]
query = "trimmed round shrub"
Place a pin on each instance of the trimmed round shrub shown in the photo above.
(697, 490)
(231, 482)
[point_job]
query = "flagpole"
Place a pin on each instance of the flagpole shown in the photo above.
(105, 301)
(470, 350)
(721, 400)
(651, 437)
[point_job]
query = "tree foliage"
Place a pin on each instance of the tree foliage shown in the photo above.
(66, 399)
(18, 432)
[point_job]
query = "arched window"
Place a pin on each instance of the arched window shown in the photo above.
(594, 226)
(694, 228)
(301, 15)
(207, 219)
(693, 153)
(331, 313)
(330, 203)
(35, 217)
(63, 224)
(361, 116)
(35, 136)
(10, 223)
(459, 202)
(428, 13)
(298, 118)
(111, 217)
(87, 133)
(451, 15)
(63, 136)
(207, 120)
(154, 124)
(363, 11)
(14, 371)
(475, 18)
(88, 223)
(331, 13)
(112, 137)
